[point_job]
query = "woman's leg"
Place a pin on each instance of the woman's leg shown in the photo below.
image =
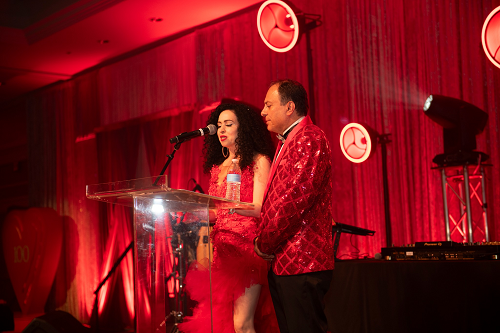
(244, 309)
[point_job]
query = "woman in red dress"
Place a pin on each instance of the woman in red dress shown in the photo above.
(240, 295)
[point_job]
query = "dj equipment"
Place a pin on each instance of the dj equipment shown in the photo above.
(446, 250)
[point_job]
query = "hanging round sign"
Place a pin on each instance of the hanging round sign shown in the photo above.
(278, 25)
(490, 36)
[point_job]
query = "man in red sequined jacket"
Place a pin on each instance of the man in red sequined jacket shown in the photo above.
(296, 228)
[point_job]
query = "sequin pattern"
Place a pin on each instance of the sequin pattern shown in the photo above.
(296, 213)
(233, 234)
(235, 267)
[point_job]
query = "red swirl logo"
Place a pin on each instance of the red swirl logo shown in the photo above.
(356, 143)
(278, 26)
(491, 37)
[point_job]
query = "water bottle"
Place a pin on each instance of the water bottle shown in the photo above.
(233, 181)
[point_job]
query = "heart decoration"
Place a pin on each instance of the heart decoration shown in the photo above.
(32, 242)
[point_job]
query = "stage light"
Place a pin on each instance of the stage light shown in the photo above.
(461, 123)
(490, 36)
(157, 207)
(358, 142)
(278, 25)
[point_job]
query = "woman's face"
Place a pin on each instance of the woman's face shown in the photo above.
(227, 129)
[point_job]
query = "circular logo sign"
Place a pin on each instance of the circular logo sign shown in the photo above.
(278, 26)
(356, 143)
(491, 37)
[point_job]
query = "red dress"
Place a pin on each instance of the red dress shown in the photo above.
(235, 267)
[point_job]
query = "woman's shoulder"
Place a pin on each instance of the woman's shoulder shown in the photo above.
(261, 161)
(261, 158)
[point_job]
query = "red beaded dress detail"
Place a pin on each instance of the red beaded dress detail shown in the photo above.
(235, 266)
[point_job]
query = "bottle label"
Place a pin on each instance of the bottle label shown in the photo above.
(233, 178)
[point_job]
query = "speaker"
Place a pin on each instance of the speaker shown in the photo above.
(56, 322)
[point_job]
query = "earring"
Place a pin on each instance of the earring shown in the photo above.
(227, 154)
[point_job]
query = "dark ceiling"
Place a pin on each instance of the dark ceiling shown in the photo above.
(45, 41)
(22, 14)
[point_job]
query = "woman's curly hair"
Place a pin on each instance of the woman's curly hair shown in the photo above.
(253, 137)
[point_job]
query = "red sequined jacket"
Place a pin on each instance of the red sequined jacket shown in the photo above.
(296, 221)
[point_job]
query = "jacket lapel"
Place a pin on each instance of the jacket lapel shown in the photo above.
(274, 166)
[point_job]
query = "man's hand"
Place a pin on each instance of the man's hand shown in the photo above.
(267, 257)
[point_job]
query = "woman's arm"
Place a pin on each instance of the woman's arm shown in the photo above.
(261, 173)
(212, 215)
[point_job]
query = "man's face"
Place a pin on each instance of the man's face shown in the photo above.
(275, 114)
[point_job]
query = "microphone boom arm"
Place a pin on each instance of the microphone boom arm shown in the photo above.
(170, 158)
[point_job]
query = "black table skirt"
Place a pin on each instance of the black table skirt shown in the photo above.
(414, 296)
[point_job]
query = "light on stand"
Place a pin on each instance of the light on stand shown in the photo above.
(359, 142)
(461, 123)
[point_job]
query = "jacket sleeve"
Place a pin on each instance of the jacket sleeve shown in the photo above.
(299, 183)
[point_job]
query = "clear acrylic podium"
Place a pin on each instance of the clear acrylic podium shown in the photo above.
(164, 244)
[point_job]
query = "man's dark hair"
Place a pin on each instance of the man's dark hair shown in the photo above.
(290, 90)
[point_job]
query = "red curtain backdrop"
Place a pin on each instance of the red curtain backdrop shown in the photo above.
(371, 61)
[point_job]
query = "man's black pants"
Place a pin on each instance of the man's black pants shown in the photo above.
(299, 301)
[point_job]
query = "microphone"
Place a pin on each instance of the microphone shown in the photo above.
(211, 129)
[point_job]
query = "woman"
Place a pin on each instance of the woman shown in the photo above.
(239, 276)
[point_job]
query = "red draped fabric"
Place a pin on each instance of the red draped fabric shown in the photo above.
(117, 160)
(371, 61)
(186, 162)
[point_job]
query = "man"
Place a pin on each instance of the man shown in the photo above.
(296, 228)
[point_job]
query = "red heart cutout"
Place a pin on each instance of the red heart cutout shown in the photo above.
(32, 242)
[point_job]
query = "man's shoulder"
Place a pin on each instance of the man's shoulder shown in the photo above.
(311, 132)
(313, 128)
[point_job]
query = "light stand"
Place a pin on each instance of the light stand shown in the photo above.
(180, 297)
(182, 240)
(96, 292)
(358, 143)
(383, 141)
(461, 122)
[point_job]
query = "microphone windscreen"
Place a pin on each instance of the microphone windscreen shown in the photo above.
(212, 128)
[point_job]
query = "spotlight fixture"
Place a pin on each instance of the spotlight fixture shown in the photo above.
(278, 25)
(461, 123)
(490, 36)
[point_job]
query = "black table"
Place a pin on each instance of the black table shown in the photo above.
(414, 296)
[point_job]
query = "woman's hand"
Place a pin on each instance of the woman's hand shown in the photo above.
(260, 175)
